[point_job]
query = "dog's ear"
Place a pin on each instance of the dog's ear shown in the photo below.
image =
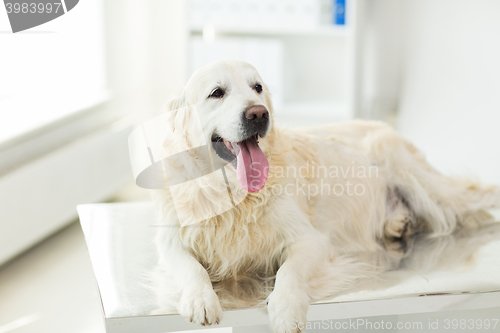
(268, 98)
(176, 102)
(173, 107)
(185, 131)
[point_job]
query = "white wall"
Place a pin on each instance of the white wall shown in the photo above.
(450, 96)
(146, 52)
(382, 37)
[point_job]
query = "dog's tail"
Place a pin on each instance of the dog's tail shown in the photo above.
(473, 196)
(473, 202)
(445, 203)
(440, 202)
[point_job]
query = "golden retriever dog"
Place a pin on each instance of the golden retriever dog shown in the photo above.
(313, 210)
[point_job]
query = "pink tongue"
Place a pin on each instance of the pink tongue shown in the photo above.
(252, 165)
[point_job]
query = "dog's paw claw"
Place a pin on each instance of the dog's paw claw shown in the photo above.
(201, 307)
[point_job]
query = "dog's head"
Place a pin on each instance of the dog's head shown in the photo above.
(234, 108)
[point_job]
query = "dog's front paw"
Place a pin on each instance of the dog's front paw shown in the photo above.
(200, 306)
(288, 310)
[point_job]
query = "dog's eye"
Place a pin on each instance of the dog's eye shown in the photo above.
(258, 88)
(217, 93)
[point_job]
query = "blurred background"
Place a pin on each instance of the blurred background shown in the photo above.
(71, 91)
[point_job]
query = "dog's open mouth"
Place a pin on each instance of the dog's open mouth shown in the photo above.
(247, 158)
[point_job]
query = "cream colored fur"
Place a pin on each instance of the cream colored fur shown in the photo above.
(298, 246)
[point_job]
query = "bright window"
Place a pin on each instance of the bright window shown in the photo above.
(51, 71)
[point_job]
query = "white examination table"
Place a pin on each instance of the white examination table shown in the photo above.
(119, 239)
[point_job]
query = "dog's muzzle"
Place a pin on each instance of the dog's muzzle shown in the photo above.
(255, 121)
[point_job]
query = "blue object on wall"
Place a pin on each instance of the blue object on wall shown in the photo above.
(339, 12)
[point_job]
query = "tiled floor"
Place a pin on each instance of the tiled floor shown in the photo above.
(51, 288)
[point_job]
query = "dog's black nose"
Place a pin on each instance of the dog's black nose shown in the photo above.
(257, 113)
(255, 120)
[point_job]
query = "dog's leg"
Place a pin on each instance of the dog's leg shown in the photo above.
(441, 202)
(400, 225)
(196, 299)
(447, 203)
(288, 303)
